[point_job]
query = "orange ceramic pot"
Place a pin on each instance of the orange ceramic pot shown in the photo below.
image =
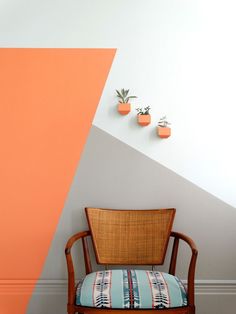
(124, 108)
(144, 119)
(163, 132)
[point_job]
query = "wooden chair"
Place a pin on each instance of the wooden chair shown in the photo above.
(129, 237)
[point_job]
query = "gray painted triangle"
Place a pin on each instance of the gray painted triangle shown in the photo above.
(113, 175)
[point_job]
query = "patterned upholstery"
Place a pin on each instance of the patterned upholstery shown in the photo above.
(131, 289)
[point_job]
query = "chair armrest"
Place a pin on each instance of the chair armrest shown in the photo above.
(191, 271)
(70, 266)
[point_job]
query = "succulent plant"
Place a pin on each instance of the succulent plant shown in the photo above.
(123, 95)
(163, 123)
(143, 111)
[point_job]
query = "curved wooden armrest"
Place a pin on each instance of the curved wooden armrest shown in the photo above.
(191, 271)
(74, 238)
(187, 239)
(70, 266)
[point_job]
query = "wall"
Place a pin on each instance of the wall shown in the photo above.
(178, 57)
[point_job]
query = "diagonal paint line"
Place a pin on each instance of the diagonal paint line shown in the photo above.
(164, 166)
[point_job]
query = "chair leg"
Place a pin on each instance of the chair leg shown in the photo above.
(70, 309)
(192, 310)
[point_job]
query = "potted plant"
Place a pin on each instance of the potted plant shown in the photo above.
(163, 130)
(143, 116)
(124, 105)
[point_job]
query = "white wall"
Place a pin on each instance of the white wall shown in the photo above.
(178, 56)
(180, 60)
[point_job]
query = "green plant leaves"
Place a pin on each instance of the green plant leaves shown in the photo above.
(143, 111)
(123, 95)
(163, 123)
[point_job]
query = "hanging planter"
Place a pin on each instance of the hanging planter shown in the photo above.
(124, 106)
(163, 130)
(143, 116)
(144, 119)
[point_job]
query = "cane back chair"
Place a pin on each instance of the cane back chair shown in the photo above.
(130, 237)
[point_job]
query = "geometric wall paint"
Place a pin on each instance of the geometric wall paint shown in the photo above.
(171, 65)
(181, 61)
(48, 99)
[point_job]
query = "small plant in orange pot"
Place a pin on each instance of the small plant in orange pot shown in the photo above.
(143, 116)
(124, 106)
(163, 130)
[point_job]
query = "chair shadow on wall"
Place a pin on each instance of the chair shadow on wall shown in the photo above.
(130, 237)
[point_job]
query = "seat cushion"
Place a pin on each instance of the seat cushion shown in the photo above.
(131, 289)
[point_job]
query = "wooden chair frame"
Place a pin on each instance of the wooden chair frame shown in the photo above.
(72, 308)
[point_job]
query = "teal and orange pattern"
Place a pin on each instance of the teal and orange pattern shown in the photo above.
(131, 289)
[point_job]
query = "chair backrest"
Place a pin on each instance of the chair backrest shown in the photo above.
(130, 237)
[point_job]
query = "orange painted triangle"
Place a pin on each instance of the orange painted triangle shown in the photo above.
(48, 98)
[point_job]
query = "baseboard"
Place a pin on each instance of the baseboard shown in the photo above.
(52, 286)
(215, 287)
(43, 286)
(50, 296)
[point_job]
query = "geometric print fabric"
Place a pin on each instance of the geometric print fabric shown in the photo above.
(131, 289)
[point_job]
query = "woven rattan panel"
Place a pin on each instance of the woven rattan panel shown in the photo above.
(130, 236)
